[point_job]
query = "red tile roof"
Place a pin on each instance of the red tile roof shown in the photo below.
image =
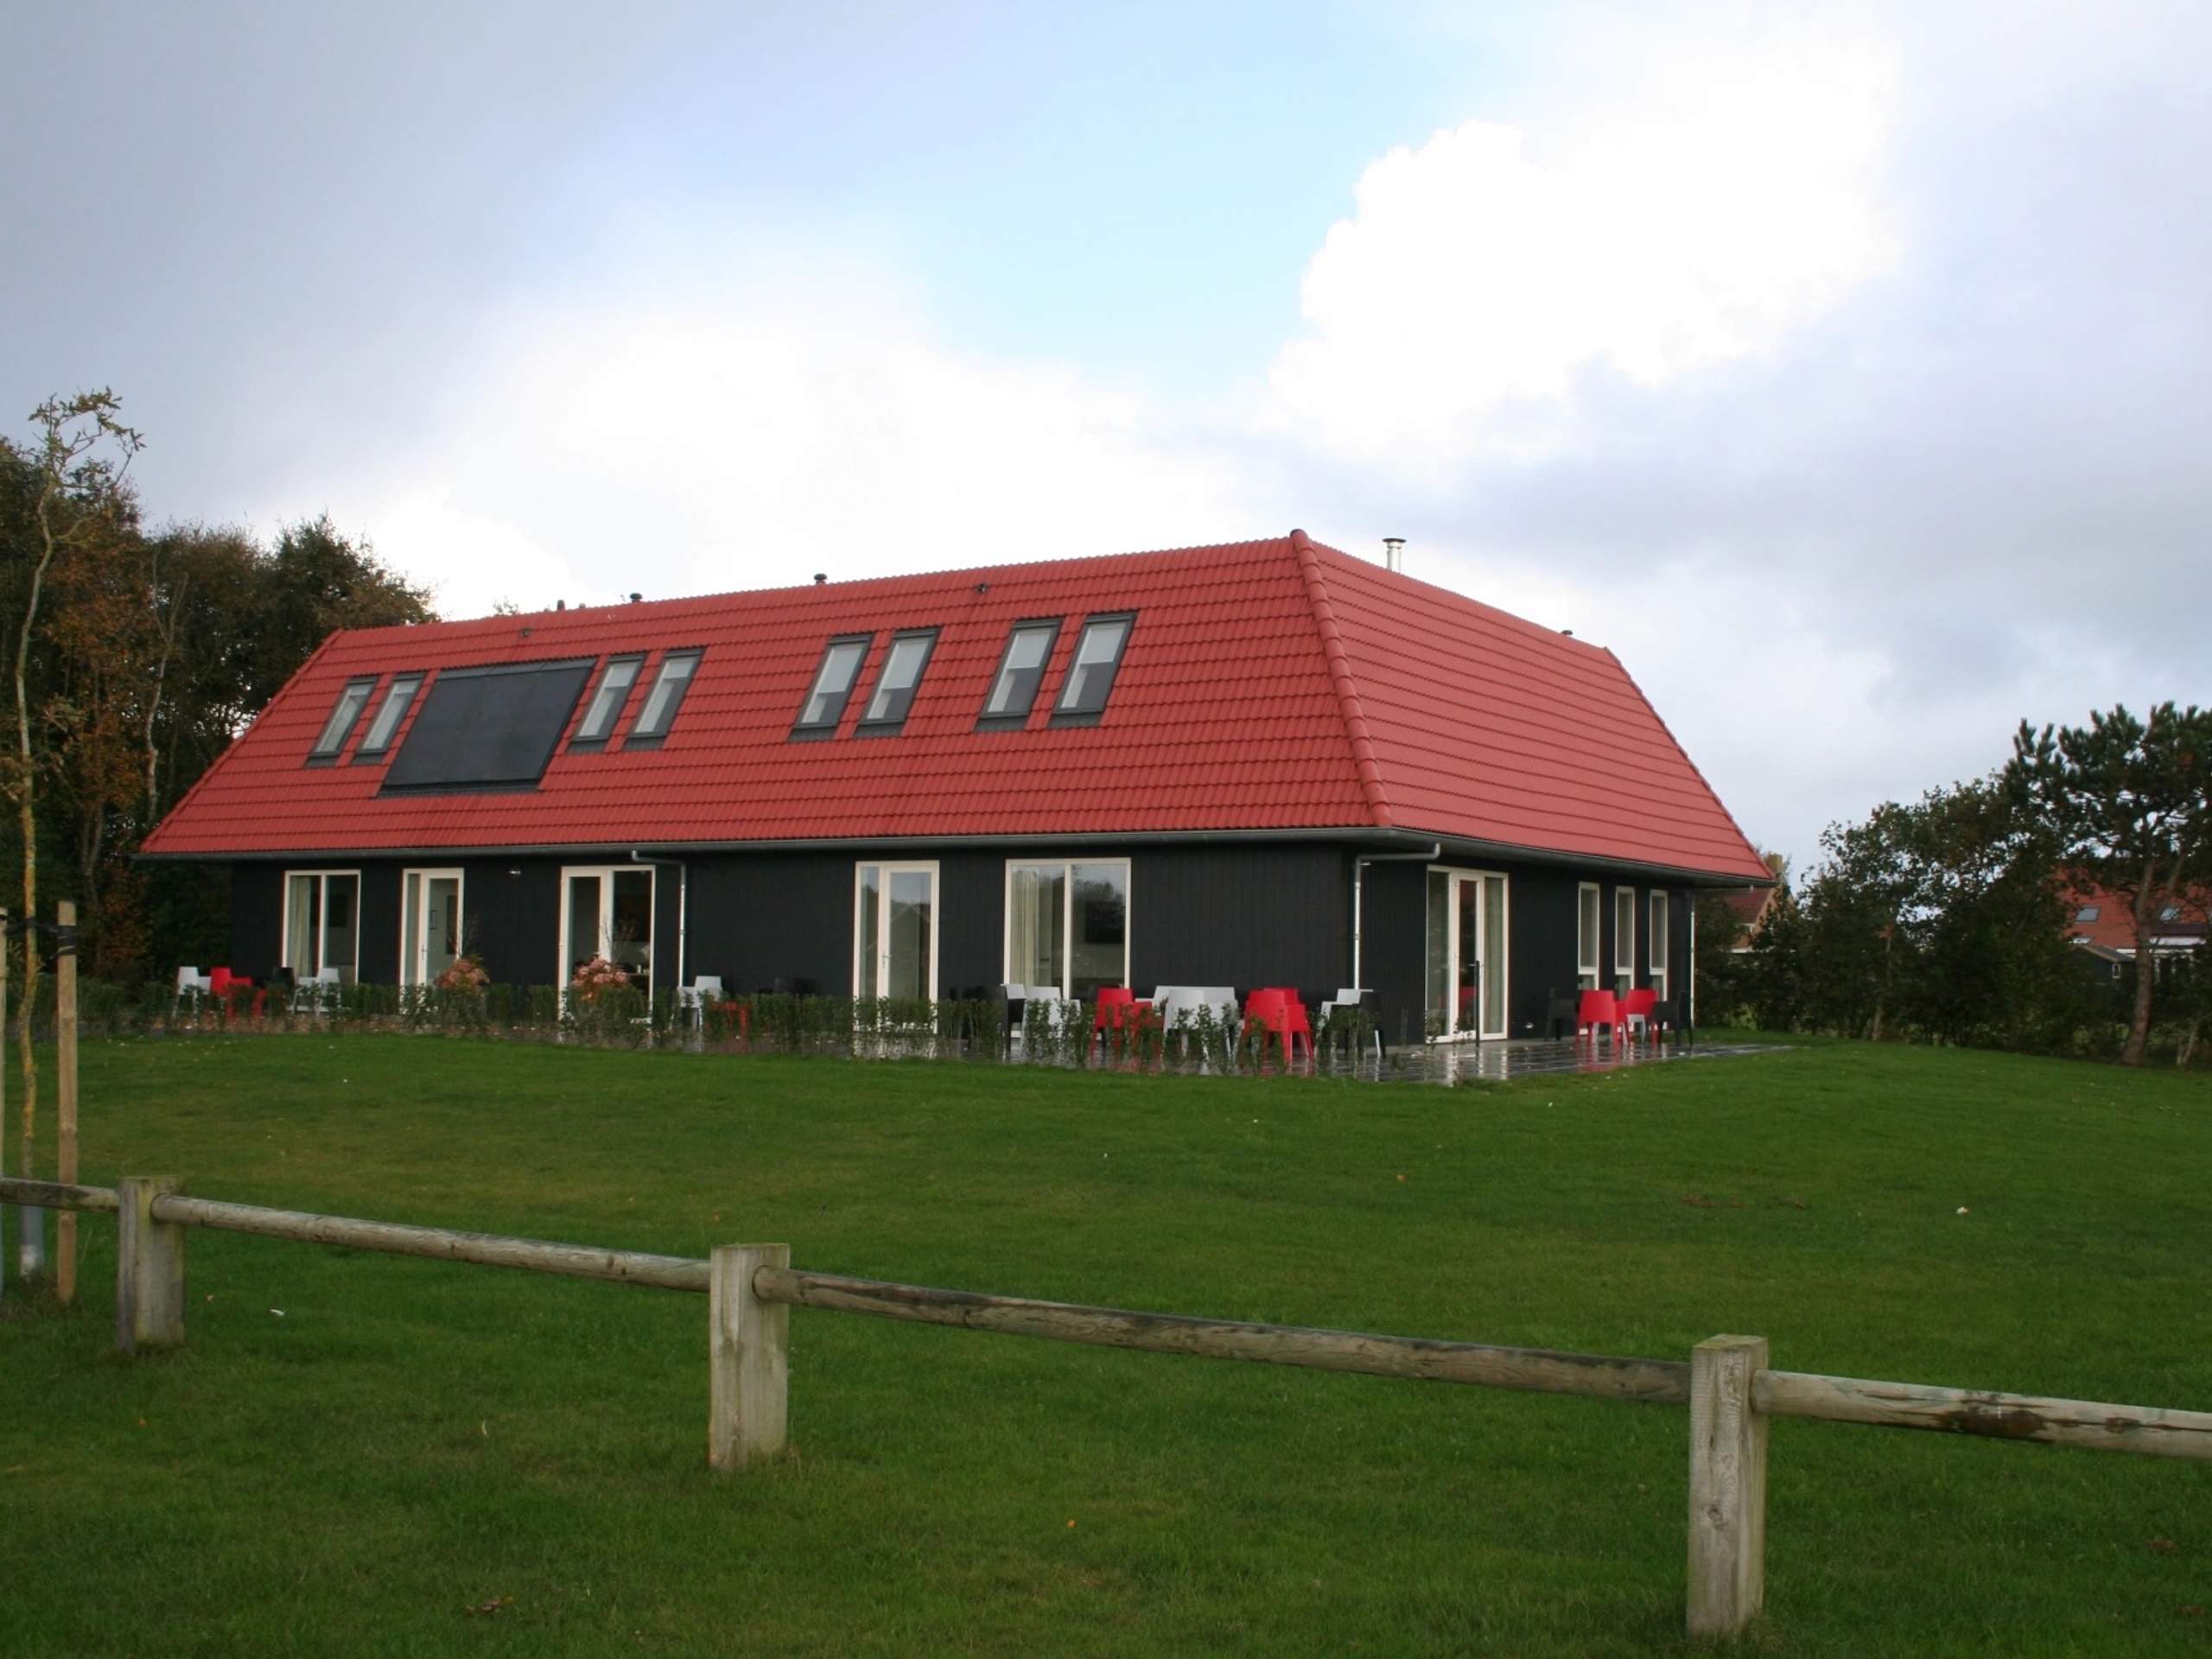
(1267, 686)
(2110, 929)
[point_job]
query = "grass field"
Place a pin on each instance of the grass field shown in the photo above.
(411, 1439)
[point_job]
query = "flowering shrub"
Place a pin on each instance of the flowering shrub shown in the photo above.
(466, 974)
(597, 976)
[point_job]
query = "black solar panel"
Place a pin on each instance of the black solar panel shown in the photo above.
(489, 728)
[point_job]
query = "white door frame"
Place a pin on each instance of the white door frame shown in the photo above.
(890, 867)
(1492, 960)
(1067, 914)
(322, 912)
(607, 873)
(411, 961)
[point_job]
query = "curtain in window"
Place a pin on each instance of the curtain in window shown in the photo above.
(1036, 902)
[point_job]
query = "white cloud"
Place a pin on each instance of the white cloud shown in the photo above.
(1733, 198)
(698, 445)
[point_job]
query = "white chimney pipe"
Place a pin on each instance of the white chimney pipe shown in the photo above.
(1394, 552)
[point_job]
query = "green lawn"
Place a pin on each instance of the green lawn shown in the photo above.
(411, 1439)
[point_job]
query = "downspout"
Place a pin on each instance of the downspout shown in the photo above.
(1689, 999)
(682, 906)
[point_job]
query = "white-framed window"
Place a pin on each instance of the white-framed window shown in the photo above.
(1624, 940)
(607, 911)
(1468, 973)
(895, 931)
(1067, 924)
(1656, 933)
(322, 922)
(1589, 951)
(429, 925)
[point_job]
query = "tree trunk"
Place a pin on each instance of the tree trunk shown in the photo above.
(27, 820)
(2147, 904)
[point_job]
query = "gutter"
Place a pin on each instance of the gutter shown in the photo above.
(1383, 840)
(1358, 892)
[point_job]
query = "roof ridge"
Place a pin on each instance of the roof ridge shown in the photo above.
(1347, 690)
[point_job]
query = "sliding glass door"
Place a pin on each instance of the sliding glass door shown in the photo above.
(607, 913)
(894, 931)
(429, 925)
(1067, 927)
(322, 915)
(1467, 972)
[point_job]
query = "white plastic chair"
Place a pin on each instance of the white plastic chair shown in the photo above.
(693, 998)
(309, 995)
(1351, 997)
(1174, 1003)
(191, 983)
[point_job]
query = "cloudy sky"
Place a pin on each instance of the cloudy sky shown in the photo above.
(1845, 369)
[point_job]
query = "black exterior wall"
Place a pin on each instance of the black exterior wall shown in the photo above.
(1242, 915)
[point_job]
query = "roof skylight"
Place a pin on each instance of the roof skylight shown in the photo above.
(665, 699)
(832, 686)
(1022, 671)
(608, 701)
(340, 726)
(390, 713)
(897, 680)
(1091, 676)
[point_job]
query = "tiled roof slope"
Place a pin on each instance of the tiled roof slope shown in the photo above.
(1272, 685)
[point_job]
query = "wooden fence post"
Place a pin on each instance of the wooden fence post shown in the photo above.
(749, 1346)
(1727, 1486)
(149, 1267)
(64, 1083)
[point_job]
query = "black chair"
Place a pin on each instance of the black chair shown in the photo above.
(1562, 1011)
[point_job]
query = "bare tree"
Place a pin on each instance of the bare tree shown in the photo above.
(81, 454)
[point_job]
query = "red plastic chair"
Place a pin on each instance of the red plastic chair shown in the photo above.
(1635, 1010)
(1117, 1009)
(1597, 1008)
(227, 988)
(1278, 1013)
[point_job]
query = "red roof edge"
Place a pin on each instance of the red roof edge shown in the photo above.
(1332, 647)
(177, 807)
(1749, 845)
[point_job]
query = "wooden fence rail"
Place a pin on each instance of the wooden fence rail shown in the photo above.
(1730, 1391)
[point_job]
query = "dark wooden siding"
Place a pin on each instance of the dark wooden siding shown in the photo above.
(1237, 915)
(256, 920)
(511, 917)
(1242, 916)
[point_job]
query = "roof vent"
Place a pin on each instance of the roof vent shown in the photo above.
(1394, 553)
(560, 604)
(634, 598)
(819, 578)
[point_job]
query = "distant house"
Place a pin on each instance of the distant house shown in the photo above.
(2102, 925)
(1262, 764)
(1750, 907)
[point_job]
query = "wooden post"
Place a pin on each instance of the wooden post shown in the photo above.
(149, 1267)
(749, 1345)
(65, 1041)
(1727, 1486)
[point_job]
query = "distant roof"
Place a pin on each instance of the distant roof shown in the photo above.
(1268, 686)
(2106, 922)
